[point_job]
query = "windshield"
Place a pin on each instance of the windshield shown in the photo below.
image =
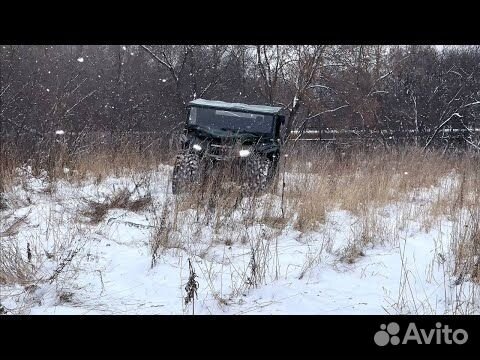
(235, 121)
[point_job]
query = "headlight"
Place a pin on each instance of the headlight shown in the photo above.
(197, 147)
(244, 153)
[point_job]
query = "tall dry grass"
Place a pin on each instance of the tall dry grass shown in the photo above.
(426, 187)
(362, 180)
(60, 161)
(311, 183)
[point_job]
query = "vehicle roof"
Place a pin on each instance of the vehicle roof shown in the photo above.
(264, 109)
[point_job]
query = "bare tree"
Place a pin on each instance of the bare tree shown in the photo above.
(297, 67)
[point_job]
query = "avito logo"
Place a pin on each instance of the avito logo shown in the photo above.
(440, 335)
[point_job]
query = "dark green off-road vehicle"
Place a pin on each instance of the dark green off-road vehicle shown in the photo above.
(243, 139)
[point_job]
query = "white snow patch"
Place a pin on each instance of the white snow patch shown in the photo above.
(113, 273)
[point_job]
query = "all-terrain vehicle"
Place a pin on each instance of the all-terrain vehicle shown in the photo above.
(244, 139)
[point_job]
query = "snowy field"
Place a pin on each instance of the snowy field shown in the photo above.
(65, 263)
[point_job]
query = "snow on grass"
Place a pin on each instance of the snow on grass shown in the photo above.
(106, 268)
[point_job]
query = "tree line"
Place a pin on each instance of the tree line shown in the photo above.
(83, 89)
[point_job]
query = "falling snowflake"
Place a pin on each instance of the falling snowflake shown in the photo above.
(59, 132)
(164, 80)
(48, 90)
(80, 59)
(124, 47)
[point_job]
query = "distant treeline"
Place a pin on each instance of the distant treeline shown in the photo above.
(120, 89)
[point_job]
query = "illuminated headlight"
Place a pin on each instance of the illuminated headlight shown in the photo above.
(197, 147)
(244, 153)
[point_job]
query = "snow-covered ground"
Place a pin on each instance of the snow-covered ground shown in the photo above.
(106, 268)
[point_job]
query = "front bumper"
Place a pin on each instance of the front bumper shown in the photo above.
(223, 152)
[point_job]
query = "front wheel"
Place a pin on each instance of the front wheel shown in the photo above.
(186, 172)
(257, 171)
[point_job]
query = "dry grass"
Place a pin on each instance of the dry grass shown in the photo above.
(14, 266)
(105, 162)
(97, 161)
(8, 164)
(161, 236)
(312, 184)
(374, 180)
(319, 182)
(121, 199)
(466, 247)
(316, 181)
